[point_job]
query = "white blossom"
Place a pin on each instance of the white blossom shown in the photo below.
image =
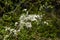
(11, 30)
(45, 22)
(18, 30)
(28, 25)
(29, 17)
(32, 17)
(24, 9)
(25, 18)
(8, 28)
(22, 17)
(14, 31)
(16, 23)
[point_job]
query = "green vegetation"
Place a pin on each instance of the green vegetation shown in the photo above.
(29, 19)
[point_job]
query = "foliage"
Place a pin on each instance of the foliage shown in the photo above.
(15, 13)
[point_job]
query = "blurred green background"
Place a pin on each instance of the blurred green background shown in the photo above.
(11, 10)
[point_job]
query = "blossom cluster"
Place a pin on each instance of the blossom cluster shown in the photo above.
(12, 30)
(25, 20)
